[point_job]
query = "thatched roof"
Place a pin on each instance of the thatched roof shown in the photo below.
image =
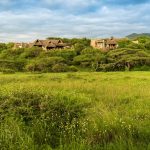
(55, 41)
(49, 43)
(111, 41)
(38, 43)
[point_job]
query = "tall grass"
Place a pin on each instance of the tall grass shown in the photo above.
(75, 111)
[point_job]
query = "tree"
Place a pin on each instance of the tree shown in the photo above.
(79, 47)
(128, 58)
(147, 45)
(3, 46)
(10, 45)
(136, 46)
(31, 52)
(124, 43)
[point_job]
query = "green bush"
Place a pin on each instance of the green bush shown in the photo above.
(60, 68)
(147, 45)
(17, 65)
(66, 54)
(45, 118)
(141, 68)
(72, 68)
(136, 46)
(31, 52)
(106, 67)
(34, 66)
(3, 46)
(43, 64)
(7, 71)
(124, 43)
(88, 58)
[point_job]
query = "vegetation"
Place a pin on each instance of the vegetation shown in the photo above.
(70, 111)
(128, 56)
(135, 35)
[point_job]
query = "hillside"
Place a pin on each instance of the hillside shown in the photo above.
(79, 57)
(135, 35)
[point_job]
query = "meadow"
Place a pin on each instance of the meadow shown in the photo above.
(75, 111)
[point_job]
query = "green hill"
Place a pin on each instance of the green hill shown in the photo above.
(135, 35)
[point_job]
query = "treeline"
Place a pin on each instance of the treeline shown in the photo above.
(80, 57)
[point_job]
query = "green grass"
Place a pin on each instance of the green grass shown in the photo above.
(75, 111)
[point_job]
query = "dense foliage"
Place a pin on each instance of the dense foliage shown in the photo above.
(82, 57)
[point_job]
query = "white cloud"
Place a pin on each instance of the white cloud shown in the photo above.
(43, 22)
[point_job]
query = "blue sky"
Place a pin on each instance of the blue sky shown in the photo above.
(27, 20)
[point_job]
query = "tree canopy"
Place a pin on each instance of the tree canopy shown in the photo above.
(80, 56)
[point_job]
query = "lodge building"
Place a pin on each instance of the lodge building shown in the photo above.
(105, 44)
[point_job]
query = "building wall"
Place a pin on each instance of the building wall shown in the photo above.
(93, 43)
(103, 44)
(98, 44)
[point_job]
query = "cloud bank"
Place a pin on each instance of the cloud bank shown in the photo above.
(26, 20)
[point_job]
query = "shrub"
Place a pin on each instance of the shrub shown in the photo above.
(53, 60)
(106, 67)
(81, 59)
(147, 45)
(30, 67)
(3, 46)
(142, 68)
(136, 46)
(59, 68)
(79, 47)
(90, 50)
(36, 66)
(8, 71)
(43, 64)
(31, 52)
(72, 69)
(66, 54)
(124, 43)
(17, 65)
(45, 118)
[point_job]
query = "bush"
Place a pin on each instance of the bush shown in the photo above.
(142, 68)
(81, 59)
(17, 65)
(124, 43)
(31, 52)
(45, 118)
(7, 71)
(66, 54)
(59, 68)
(72, 69)
(43, 64)
(106, 67)
(30, 67)
(36, 66)
(147, 45)
(136, 46)
(78, 48)
(3, 46)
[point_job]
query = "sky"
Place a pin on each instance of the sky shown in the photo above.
(27, 20)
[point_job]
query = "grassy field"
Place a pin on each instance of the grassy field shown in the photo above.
(75, 111)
